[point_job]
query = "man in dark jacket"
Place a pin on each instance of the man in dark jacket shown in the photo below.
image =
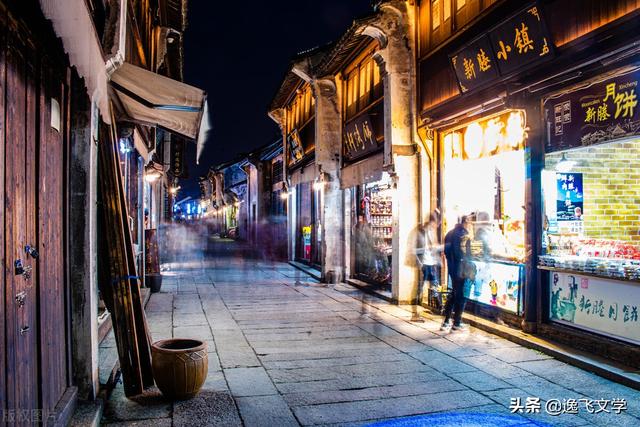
(456, 248)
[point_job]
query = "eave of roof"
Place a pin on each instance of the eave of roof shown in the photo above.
(291, 81)
(344, 49)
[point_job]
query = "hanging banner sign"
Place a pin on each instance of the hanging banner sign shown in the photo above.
(602, 112)
(359, 138)
(519, 42)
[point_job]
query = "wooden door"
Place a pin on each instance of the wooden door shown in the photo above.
(21, 303)
(51, 230)
(34, 366)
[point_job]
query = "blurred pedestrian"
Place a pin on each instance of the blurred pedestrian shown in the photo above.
(457, 250)
(428, 255)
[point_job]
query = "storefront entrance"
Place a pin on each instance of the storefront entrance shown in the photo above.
(484, 177)
(373, 231)
(308, 223)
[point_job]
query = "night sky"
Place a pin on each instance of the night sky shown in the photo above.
(238, 53)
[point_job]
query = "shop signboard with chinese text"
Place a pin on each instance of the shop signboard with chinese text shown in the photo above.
(178, 169)
(600, 305)
(359, 138)
(296, 151)
(519, 42)
(570, 197)
(603, 111)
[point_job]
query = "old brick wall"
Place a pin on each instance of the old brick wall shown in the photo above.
(611, 179)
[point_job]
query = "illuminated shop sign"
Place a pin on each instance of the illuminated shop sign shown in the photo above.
(603, 111)
(488, 137)
(359, 138)
(520, 42)
(295, 147)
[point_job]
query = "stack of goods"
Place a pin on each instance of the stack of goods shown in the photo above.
(606, 258)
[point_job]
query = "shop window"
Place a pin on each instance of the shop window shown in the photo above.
(363, 87)
(591, 237)
(484, 177)
(373, 231)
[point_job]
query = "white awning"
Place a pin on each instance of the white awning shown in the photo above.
(156, 100)
(72, 22)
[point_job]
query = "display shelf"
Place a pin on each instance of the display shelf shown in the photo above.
(588, 274)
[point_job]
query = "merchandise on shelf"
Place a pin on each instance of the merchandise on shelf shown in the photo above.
(607, 258)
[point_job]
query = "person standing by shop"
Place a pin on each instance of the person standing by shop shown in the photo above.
(457, 248)
(428, 255)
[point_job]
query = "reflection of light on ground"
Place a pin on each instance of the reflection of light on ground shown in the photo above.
(460, 420)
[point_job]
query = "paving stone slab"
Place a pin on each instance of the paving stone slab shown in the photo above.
(265, 411)
(395, 407)
(442, 362)
(360, 382)
(479, 381)
(371, 393)
(249, 382)
(351, 371)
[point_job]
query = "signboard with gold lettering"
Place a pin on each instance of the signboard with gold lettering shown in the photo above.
(178, 168)
(296, 152)
(475, 64)
(519, 42)
(359, 138)
(603, 111)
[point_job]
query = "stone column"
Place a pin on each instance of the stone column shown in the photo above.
(83, 184)
(394, 31)
(328, 139)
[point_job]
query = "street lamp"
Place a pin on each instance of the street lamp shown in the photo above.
(151, 173)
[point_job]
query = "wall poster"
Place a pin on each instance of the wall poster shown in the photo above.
(597, 304)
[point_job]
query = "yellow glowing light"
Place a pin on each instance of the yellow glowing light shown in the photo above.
(318, 185)
(514, 131)
(284, 195)
(473, 137)
(493, 135)
(152, 176)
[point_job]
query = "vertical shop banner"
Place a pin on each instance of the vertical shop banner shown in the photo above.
(359, 138)
(177, 157)
(519, 42)
(601, 112)
(601, 305)
(570, 197)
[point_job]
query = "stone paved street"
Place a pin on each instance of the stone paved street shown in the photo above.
(285, 350)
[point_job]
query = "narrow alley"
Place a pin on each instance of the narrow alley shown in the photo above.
(286, 350)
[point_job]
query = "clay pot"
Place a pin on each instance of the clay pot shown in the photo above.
(179, 366)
